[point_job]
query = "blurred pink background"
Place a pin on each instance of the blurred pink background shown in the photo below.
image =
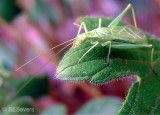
(41, 24)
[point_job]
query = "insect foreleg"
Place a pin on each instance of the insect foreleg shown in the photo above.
(95, 44)
(109, 50)
(116, 21)
(80, 28)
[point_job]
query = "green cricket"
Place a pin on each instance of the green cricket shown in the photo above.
(112, 36)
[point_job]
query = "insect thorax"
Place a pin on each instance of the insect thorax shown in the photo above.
(96, 35)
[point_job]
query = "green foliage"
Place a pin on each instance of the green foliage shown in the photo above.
(20, 106)
(5, 79)
(44, 10)
(7, 55)
(101, 106)
(143, 97)
(8, 9)
(3, 96)
(36, 88)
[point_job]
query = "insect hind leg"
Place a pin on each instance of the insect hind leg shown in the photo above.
(152, 66)
(109, 50)
(133, 46)
(152, 53)
(117, 20)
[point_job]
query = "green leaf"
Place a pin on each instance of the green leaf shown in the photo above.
(36, 88)
(143, 97)
(101, 106)
(3, 97)
(55, 110)
(43, 9)
(8, 9)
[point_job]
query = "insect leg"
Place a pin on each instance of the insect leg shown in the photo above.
(132, 46)
(109, 50)
(100, 23)
(116, 21)
(152, 53)
(80, 28)
(88, 51)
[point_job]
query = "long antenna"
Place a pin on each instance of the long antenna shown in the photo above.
(38, 71)
(42, 54)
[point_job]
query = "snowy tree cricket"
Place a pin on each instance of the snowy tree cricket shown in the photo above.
(112, 36)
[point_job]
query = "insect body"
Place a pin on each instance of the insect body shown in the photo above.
(124, 34)
(114, 36)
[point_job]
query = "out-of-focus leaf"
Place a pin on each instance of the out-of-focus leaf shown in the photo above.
(55, 110)
(7, 55)
(101, 106)
(3, 96)
(5, 79)
(144, 96)
(4, 73)
(44, 9)
(20, 106)
(8, 9)
(36, 88)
